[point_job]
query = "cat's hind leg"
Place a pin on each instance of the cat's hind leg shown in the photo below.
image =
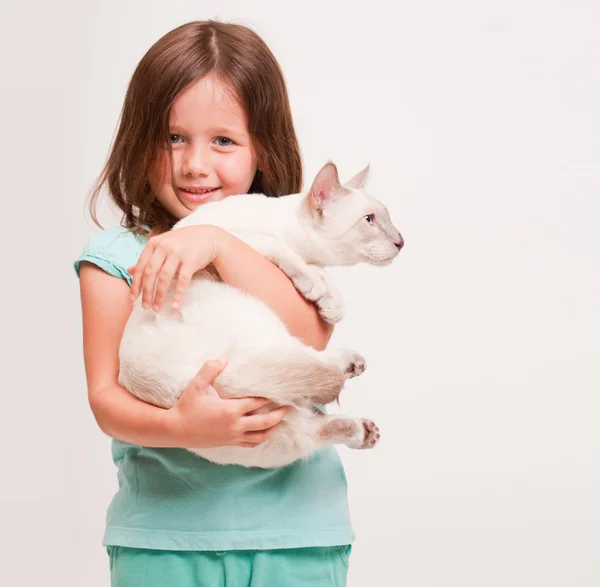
(291, 374)
(287, 376)
(353, 432)
(349, 362)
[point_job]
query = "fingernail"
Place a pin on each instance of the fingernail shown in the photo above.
(212, 364)
(132, 298)
(175, 305)
(145, 305)
(155, 307)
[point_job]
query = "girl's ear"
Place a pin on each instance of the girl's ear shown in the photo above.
(325, 188)
(359, 180)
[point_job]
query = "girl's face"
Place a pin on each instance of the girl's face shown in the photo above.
(212, 153)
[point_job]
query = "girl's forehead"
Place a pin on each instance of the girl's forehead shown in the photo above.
(208, 102)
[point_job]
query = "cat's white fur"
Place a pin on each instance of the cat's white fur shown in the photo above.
(301, 233)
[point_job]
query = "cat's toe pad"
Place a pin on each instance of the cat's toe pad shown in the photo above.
(371, 434)
(355, 366)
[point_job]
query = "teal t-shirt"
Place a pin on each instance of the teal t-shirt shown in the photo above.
(171, 499)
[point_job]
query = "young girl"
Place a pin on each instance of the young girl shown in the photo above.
(206, 116)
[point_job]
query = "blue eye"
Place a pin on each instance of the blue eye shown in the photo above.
(173, 139)
(228, 144)
(370, 218)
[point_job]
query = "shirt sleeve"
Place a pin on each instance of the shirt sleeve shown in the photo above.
(113, 250)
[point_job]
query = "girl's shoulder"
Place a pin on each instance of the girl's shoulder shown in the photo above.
(115, 239)
(114, 250)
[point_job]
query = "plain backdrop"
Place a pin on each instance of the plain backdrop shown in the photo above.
(481, 123)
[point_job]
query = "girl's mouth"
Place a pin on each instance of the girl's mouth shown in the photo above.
(197, 195)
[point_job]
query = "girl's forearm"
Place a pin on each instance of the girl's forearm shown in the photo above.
(241, 266)
(122, 416)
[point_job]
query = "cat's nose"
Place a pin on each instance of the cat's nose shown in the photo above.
(400, 242)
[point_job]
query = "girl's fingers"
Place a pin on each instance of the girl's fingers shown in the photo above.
(164, 279)
(246, 405)
(263, 422)
(138, 270)
(183, 282)
(257, 437)
(207, 374)
(149, 276)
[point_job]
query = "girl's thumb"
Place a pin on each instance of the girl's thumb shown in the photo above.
(207, 374)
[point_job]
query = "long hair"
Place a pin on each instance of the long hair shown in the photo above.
(239, 59)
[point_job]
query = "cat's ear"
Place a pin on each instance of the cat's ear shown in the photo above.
(325, 188)
(359, 180)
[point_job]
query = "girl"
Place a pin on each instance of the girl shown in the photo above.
(206, 116)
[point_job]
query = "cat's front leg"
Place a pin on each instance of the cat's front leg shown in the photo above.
(358, 433)
(309, 280)
(331, 303)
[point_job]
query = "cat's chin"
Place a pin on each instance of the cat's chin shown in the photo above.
(378, 262)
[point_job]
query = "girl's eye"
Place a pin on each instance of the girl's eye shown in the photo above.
(224, 142)
(174, 139)
(370, 218)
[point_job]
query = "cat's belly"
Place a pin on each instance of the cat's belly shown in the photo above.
(161, 352)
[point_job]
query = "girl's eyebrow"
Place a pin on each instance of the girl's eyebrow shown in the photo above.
(214, 130)
(227, 130)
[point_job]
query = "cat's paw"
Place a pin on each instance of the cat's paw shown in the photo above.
(352, 364)
(331, 306)
(365, 434)
(311, 284)
(371, 434)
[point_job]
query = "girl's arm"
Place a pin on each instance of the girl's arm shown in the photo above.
(198, 420)
(241, 266)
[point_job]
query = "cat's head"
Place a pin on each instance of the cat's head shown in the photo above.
(354, 226)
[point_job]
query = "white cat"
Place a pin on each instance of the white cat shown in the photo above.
(160, 353)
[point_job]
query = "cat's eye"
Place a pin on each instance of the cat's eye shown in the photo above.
(370, 218)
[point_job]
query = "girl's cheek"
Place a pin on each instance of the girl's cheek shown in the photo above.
(243, 169)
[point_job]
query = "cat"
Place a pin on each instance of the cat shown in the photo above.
(332, 224)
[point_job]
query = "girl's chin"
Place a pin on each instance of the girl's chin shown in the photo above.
(187, 207)
(197, 199)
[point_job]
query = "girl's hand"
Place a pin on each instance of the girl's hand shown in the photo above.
(180, 252)
(201, 419)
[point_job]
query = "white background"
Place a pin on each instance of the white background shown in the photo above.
(481, 122)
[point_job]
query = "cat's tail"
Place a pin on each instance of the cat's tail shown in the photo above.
(287, 377)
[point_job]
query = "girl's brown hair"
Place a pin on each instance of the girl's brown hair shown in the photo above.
(238, 58)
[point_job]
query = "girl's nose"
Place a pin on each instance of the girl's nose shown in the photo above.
(196, 163)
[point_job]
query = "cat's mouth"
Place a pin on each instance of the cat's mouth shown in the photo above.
(379, 260)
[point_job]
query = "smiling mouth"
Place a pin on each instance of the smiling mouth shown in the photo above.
(198, 196)
(198, 192)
